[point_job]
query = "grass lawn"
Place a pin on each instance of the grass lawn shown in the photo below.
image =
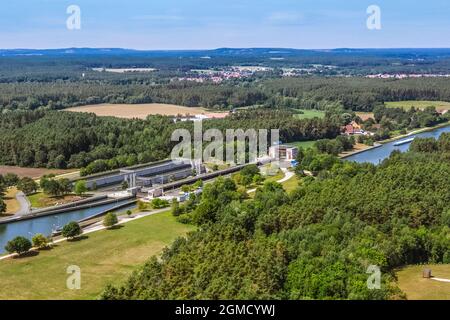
(42, 200)
(275, 178)
(309, 114)
(411, 282)
(107, 256)
(12, 205)
(440, 105)
(291, 184)
(302, 144)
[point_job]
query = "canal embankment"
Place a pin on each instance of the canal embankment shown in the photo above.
(96, 218)
(355, 152)
(49, 222)
(92, 202)
(377, 155)
(416, 132)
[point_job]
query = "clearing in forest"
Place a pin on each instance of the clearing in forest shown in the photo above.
(140, 111)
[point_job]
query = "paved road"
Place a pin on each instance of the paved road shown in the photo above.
(24, 203)
(287, 175)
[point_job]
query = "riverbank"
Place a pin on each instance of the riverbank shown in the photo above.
(92, 202)
(422, 130)
(379, 144)
(353, 152)
(377, 155)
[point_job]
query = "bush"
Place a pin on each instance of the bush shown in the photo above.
(19, 245)
(142, 206)
(40, 241)
(159, 203)
(71, 230)
(80, 187)
(185, 218)
(27, 185)
(110, 220)
(176, 209)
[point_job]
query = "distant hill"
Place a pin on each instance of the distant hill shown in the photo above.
(255, 52)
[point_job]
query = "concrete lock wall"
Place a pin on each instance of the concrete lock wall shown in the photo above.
(144, 172)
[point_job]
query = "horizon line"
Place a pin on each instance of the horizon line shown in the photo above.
(233, 48)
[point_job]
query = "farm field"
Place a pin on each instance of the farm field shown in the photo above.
(34, 173)
(440, 105)
(107, 256)
(416, 287)
(141, 111)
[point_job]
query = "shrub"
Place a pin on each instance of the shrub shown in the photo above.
(110, 220)
(185, 218)
(176, 209)
(71, 230)
(40, 241)
(19, 245)
(27, 185)
(80, 187)
(142, 206)
(159, 203)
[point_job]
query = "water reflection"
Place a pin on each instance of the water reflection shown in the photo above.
(377, 155)
(46, 225)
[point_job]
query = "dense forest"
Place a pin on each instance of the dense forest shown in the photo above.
(46, 138)
(57, 79)
(314, 243)
(357, 94)
(75, 140)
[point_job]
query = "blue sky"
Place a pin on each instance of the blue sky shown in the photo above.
(203, 24)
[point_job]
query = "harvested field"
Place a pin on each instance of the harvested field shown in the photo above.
(31, 172)
(141, 111)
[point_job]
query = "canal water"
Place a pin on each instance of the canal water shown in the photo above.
(377, 155)
(46, 225)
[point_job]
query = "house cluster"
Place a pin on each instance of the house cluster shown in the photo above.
(218, 76)
(355, 129)
(406, 76)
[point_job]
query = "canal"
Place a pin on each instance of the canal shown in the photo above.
(46, 225)
(377, 155)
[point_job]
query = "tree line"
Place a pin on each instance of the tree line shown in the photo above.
(74, 140)
(353, 93)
